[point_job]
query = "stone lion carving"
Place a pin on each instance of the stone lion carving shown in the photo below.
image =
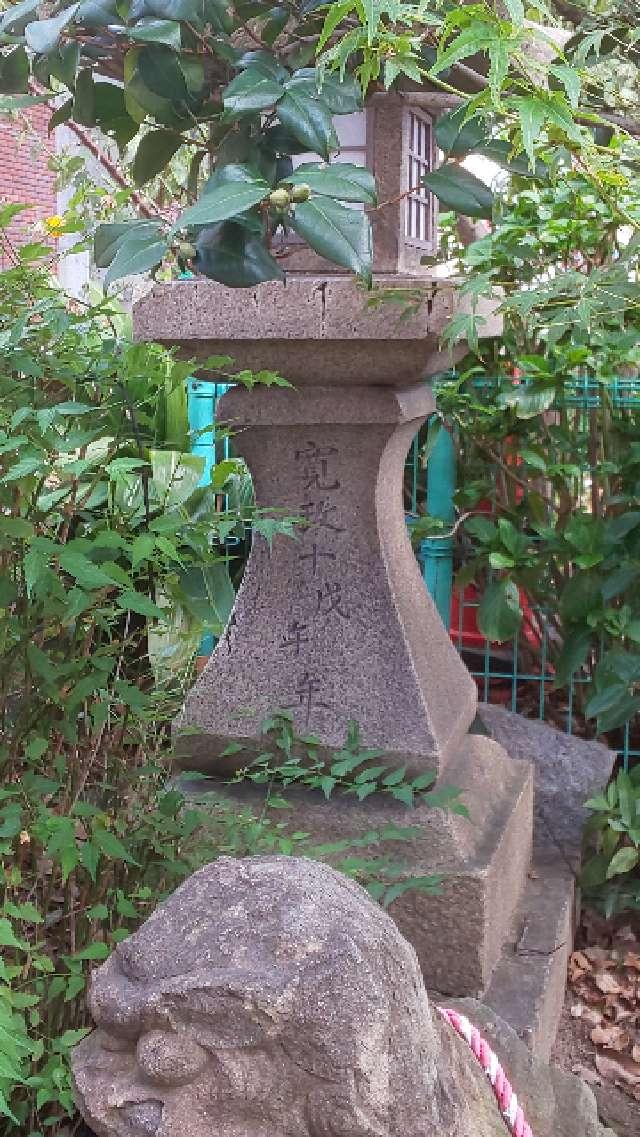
(269, 997)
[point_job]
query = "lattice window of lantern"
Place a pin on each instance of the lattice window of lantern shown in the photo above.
(419, 209)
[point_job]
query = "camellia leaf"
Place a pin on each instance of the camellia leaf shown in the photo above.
(155, 151)
(98, 13)
(458, 137)
(110, 236)
(230, 254)
(499, 614)
(43, 35)
(340, 234)
(252, 90)
(14, 71)
(156, 31)
(308, 119)
(341, 179)
(460, 190)
(11, 103)
(160, 72)
(16, 18)
(342, 96)
(134, 256)
(232, 191)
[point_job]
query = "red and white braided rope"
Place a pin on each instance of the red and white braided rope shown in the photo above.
(502, 1088)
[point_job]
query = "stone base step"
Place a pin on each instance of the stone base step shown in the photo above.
(527, 986)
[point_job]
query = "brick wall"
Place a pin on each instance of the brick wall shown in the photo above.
(24, 175)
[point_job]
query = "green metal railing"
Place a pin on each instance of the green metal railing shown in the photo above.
(503, 672)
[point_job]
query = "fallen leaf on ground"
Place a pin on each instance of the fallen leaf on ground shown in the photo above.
(620, 1068)
(607, 983)
(611, 1037)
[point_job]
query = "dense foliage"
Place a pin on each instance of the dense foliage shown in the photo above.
(241, 89)
(112, 561)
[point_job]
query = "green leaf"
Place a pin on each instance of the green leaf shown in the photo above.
(617, 713)
(156, 31)
(532, 113)
(499, 614)
(16, 527)
(63, 114)
(252, 90)
(472, 40)
(570, 79)
(336, 13)
(341, 179)
(308, 119)
(341, 95)
(14, 20)
(594, 872)
(431, 885)
(42, 36)
(340, 234)
(142, 548)
(23, 469)
(623, 861)
(135, 255)
(159, 71)
(617, 528)
(230, 192)
(155, 151)
(143, 605)
(395, 777)
(7, 935)
(98, 13)
(85, 571)
(573, 655)
(230, 254)
(460, 190)
(26, 912)
(405, 794)
(111, 846)
(11, 103)
(94, 951)
(84, 98)
(14, 71)
(458, 135)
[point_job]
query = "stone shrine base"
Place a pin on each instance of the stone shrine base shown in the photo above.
(502, 928)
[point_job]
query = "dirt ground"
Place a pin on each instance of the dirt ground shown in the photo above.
(575, 1053)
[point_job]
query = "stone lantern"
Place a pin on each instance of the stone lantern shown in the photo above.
(336, 624)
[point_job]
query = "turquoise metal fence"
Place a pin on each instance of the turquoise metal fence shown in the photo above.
(202, 397)
(503, 672)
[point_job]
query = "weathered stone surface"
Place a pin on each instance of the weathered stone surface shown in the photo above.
(336, 624)
(315, 330)
(271, 998)
(527, 987)
(568, 771)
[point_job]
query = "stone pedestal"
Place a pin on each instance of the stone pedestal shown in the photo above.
(336, 623)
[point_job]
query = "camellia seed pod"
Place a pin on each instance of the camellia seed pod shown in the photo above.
(186, 251)
(279, 198)
(301, 192)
